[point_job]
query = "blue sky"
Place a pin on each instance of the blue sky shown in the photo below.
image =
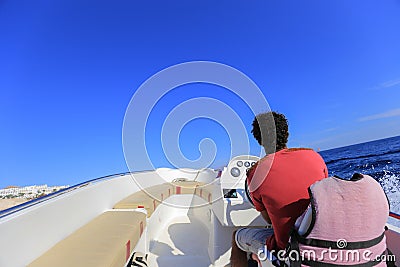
(69, 69)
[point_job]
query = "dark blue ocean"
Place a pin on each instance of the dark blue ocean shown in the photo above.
(379, 159)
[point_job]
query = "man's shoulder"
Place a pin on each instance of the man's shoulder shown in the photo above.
(297, 149)
(297, 158)
(298, 152)
(283, 155)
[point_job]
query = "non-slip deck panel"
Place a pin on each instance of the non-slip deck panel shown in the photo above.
(105, 241)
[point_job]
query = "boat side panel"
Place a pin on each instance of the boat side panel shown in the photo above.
(33, 231)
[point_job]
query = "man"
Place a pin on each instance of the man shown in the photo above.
(278, 184)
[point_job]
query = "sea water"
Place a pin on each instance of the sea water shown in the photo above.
(380, 159)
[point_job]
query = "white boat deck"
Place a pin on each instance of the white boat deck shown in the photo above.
(183, 243)
(188, 227)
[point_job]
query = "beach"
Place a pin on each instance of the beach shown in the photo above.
(8, 203)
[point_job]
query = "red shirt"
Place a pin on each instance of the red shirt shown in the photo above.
(284, 178)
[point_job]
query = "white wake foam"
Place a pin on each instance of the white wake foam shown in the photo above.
(391, 185)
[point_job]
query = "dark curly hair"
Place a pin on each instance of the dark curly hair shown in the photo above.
(264, 131)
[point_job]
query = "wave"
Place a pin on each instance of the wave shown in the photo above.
(362, 156)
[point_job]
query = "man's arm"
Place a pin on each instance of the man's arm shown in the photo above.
(258, 204)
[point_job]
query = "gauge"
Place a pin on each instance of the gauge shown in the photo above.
(247, 164)
(239, 163)
(235, 172)
(253, 163)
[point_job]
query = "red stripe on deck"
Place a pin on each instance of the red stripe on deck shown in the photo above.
(394, 215)
(169, 192)
(154, 204)
(178, 190)
(128, 250)
(209, 198)
(162, 197)
(201, 192)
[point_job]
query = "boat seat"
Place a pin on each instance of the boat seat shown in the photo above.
(107, 240)
(148, 199)
(205, 192)
(154, 195)
(186, 187)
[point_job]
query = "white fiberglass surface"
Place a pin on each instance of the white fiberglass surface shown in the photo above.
(184, 242)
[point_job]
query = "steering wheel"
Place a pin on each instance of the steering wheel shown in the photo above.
(247, 191)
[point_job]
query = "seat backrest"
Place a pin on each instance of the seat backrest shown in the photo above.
(107, 240)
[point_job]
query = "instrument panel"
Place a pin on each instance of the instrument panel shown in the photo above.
(236, 170)
(234, 175)
(236, 207)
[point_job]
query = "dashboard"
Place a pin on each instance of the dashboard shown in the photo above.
(233, 179)
(235, 208)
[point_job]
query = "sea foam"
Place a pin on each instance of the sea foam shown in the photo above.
(391, 185)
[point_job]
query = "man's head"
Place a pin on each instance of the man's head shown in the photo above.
(268, 126)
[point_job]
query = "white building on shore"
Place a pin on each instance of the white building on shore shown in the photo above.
(29, 192)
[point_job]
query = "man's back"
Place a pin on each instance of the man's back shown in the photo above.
(286, 176)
